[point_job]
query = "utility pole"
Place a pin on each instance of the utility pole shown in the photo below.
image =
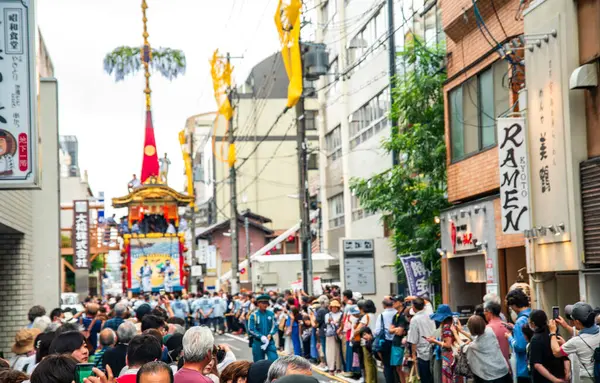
(233, 223)
(247, 230)
(392, 72)
(303, 195)
(193, 221)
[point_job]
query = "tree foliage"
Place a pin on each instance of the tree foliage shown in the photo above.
(125, 61)
(411, 194)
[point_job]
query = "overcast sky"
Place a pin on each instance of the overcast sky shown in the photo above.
(108, 117)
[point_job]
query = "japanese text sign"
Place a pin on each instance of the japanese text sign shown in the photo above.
(551, 172)
(81, 235)
(18, 109)
(359, 265)
(514, 175)
(417, 276)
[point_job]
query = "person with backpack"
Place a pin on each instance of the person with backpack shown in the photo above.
(333, 320)
(384, 337)
(518, 301)
(585, 346)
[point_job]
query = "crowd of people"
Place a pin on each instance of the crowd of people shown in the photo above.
(171, 338)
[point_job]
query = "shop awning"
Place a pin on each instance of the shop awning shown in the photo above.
(282, 237)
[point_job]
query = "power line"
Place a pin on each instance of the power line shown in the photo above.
(267, 162)
(265, 136)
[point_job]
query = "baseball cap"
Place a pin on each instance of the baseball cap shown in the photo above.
(582, 311)
(397, 298)
(568, 311)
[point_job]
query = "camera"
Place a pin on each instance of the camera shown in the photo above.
(219, 354)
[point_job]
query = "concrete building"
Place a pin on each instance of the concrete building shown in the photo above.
(29, 222)
(70, 145)
(354, 102)
(199, 127)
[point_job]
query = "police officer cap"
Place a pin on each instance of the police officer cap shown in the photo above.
(263, 298)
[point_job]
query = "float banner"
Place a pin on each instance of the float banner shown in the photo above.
(156, 264)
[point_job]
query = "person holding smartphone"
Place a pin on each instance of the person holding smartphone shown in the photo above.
(518, 301)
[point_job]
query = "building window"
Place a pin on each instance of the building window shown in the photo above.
(357, 211)
(333, 143)
(332, 79)
(329, 12)
(336, 211)
(313, 161)
(369, 119)
(474, 108)
(364, 42)
(309, 119)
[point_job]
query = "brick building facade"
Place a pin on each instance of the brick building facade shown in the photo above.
(476, 94)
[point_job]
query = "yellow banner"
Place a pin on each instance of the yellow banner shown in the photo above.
(287, 22)
(187, 160)
(220, 71)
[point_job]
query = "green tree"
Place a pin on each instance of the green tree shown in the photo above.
(125, 61)
(411, 194)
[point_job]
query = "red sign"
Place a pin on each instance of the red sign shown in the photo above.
(23, 152)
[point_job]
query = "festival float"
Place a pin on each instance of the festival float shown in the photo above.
(153, 245)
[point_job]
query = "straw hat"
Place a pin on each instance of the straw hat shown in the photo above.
(24, 341)
(335, 303)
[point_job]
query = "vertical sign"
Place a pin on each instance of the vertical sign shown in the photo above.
(514, 175)
(18, 98)
(417, 276)
(211, 260)
(81, 234)
(359, 265)
(546, 128)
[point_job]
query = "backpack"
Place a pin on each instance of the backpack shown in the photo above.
(595, 360)
(330, 327)
(380, 338)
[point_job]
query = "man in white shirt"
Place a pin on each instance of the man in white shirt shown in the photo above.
(584, 344)
(421, 327)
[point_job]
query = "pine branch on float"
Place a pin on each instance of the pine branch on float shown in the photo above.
(125, 61)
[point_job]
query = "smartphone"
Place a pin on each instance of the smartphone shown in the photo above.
(162, 292)
(455, 320)
(555, 312)
(83, 371)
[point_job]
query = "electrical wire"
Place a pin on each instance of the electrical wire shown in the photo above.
(256, 178)
(265, 136)
(498, 18)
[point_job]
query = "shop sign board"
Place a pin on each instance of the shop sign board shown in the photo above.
(196, 271)
(81, 234)
(489, 270)
(359, 265)
(202, 251)
(19, 167)
(464, 236)
(211, 260)
(514, 175)
(546, 127)
(417, 276)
